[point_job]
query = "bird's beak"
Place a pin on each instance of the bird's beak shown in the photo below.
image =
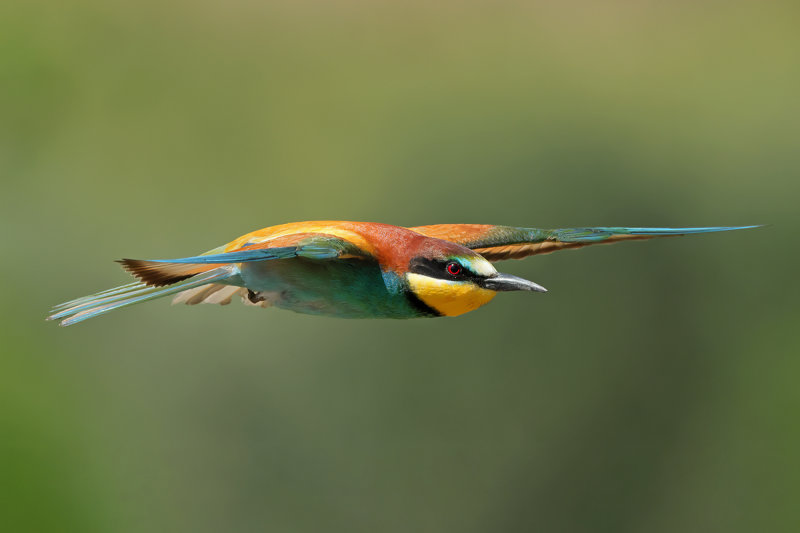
(507, 282)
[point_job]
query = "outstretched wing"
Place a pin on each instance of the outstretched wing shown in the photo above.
(160, 272)
(497, 243)
(163, 277)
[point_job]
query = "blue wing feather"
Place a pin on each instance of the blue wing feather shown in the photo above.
(329, 250)
(242, 256)
(598, 234)
(101, 303)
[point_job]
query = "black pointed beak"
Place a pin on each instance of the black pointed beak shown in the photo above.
(507, 282)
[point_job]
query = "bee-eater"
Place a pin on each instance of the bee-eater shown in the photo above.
(353, 269)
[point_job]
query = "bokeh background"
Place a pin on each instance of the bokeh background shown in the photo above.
(654, 388)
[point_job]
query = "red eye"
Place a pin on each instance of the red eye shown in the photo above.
(454, 269)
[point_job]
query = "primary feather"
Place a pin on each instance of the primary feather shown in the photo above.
(497, 243)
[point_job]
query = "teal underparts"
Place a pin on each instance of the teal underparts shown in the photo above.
(345, 288)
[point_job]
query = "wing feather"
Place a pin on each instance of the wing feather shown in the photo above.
(497, 243)
(162, 272)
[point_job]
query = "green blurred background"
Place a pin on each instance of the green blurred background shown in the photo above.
(654, 388)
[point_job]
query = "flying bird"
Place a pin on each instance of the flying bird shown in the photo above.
(354, 269)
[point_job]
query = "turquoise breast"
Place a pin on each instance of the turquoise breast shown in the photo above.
(345, 288)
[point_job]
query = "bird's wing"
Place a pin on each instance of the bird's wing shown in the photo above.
(497, 243)
(318, 246)
(163, 277)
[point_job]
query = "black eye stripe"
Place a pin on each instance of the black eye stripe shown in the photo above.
(439, 269)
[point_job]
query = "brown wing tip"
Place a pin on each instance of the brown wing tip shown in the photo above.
(158, 274)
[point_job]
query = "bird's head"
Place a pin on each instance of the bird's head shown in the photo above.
(453, 280)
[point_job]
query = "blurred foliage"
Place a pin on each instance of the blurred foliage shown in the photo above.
(652, 389)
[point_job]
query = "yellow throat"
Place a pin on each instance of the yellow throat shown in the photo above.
(450, 298)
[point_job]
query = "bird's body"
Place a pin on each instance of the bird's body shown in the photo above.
(353, 269)
(359, 286)
(348, 288)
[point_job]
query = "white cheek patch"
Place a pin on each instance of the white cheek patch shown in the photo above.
(478, 265)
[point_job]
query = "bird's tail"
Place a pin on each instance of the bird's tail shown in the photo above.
(162, 277)
(100, 303)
